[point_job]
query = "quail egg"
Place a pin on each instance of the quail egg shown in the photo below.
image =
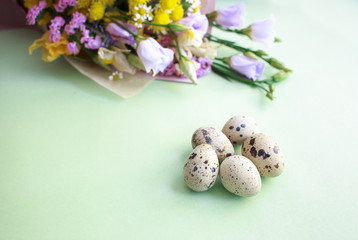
(265, 153)
(202, 168)
(214, 137)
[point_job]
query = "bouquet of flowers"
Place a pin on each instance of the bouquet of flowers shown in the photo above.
(123, 44)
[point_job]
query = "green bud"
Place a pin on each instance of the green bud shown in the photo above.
(177, 27)
(212, 16)
(277, 64)
(251, 55)
(247, 31)
(261, 53)
(277, 40)
(272, 88)
(269, 95)
(227, 60)
(279, 76)
(188, 69)
(135, 61)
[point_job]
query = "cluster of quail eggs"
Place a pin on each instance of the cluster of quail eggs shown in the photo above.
(214, 156)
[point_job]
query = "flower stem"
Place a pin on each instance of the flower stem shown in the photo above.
(156, 24)
(176, 44)
(238, 31)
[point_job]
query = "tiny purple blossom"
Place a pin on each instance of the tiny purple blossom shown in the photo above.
(118, 32)
(154, 57)
(248, 67)
(205, 66)
(198, 22)
(262, 31)
(72, 48)
(77, 22)
(63, 4)
(34, 12)
(93, 43)
(55, 27)
(232, 16)
(85, 35)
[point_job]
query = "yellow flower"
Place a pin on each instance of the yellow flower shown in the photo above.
(197, 9)
(83, 3)
(50, 51)
(177, 13)
(160, 17)
(96, 11)
(167, 4)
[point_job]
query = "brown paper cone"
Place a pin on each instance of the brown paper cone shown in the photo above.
(126, 87)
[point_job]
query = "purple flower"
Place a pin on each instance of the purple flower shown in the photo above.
(205, 66)
(34, 12)
(55, 27)
(118, 32)
(77, 22)
(233, 16)
(248, 67)
(85, 35)
(198, 22)
(154, 56)
(63, 4)
(93, 43)
(262, 31)
(72, 48)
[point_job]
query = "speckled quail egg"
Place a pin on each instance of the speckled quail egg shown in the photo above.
(239, 127)
(240, 176)
(265, 153)
(202, 168)
(214, 137)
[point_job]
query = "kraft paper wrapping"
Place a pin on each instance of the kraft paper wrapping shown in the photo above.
(125, 87)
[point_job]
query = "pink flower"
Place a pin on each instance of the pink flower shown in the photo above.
(63, 4)
(72, 47)
(55, 27)
(77, 22)
(34, 12)
(85, 35)
(93, 43)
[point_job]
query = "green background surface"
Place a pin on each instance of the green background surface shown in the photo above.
(79, 162)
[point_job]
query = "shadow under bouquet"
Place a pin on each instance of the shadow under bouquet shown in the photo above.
(125, 44)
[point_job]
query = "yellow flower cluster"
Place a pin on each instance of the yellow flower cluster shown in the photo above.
(167, 11)
(94, 9)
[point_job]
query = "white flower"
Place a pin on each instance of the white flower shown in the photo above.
(115, 76)
(155, 58)
(206, 49)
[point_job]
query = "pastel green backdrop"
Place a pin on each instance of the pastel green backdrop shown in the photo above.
(78, 162)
